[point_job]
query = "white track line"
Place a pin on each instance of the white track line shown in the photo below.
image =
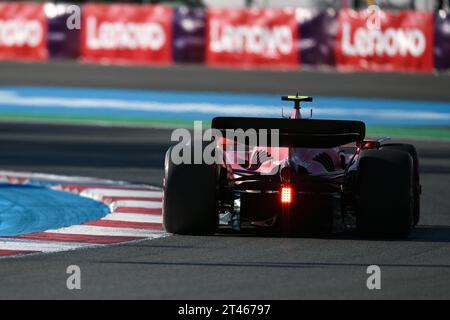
(42, 246)
(132, 217)
(135, 204)
(107, 231)
(12, 98)
(98, 193)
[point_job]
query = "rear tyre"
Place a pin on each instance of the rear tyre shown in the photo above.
(190, 197)
(416, 181)
(385, 193)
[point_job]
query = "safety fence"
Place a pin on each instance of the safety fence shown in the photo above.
(241, 38)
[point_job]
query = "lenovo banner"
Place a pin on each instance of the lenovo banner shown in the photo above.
(127, 33)
(23, 31)
(385, 41)
(252, 38)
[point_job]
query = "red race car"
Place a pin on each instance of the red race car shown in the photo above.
(293, 176)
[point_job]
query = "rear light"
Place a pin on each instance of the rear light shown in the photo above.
(286, 195)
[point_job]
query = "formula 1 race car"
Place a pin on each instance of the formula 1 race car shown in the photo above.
(313, 177)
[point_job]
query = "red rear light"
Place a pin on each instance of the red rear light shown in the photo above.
(286, 195)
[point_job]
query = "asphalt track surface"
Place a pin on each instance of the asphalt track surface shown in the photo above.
(195, 78)
(226, 265)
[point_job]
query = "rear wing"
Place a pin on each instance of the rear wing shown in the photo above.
(301, 133)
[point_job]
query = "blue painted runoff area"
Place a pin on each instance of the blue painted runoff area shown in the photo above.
(175, 105)
(26, 209)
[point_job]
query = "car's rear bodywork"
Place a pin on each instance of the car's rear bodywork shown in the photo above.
(295, 176)
(309, 165)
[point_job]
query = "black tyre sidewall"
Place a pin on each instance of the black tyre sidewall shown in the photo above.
(385, 193)
(190, 198)
(413, 153)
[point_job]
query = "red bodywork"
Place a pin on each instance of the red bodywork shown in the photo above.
(297, 184)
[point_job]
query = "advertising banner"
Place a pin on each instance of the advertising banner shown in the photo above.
(127, 33)
(442, 41)
(385, 41)
(189, 35)
(318, 31)
(23, 31)
(252, 38)
(63, 33)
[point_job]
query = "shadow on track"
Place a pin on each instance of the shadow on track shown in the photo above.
(420, 234)
(282, 265)
(431, 234)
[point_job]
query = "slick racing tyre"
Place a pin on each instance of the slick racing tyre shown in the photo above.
(416, 181)
(190, 197)
(385, 193)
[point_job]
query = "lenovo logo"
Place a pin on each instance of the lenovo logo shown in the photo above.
(120, 35)
(389, 42)
(18, 33)
(254, 39)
